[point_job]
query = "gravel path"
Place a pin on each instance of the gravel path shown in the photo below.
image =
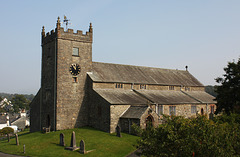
(8, 155)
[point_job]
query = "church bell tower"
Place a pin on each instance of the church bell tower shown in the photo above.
(66, 59)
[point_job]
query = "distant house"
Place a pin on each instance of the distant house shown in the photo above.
(22, 121)
(4, 122)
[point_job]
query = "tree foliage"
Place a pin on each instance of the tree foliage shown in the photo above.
(6, 130)
(20, 102)
(228, 98)
(185, 137)
(211, 90)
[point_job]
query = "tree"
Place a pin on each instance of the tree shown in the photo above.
(6, 130)
(211, 90)
(228, 98)
(184, 137)
(20, 102)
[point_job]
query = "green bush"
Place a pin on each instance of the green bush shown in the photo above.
(6, 130)
(184, 137)
(136, 130)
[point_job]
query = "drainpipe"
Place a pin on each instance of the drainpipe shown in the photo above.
(132, 85)
(129, 126)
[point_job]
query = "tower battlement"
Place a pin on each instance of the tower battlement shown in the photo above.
(69, 34)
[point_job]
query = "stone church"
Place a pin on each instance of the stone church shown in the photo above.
(76, 92)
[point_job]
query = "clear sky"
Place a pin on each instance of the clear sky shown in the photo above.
(203, 34)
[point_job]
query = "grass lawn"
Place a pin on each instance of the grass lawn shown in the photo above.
(39, 144)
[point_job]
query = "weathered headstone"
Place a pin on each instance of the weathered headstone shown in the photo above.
(17, 142)
(73, 140)
(62, 141)
(82, 147)
(8, 136)
(118, 130)
(73, 143)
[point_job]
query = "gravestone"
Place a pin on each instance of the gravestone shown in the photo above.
(82, 147)
(17, 142)
(118, 130)
(8, 136)
(73, 140)
(62, 141)
(73, 143)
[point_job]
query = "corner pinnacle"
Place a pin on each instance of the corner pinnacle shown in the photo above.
(90, 28)
(58, 23)
(43, 31)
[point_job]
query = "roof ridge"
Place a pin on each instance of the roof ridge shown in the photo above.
(140, 66)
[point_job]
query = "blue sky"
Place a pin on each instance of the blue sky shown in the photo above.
(204, 35)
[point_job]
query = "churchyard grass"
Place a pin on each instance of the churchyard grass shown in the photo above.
(47, 145)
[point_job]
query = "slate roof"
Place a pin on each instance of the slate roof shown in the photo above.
(136, 97)
(201, 96)
(120, 96)
(20, 122)
(134, 112)
(167, 97)
(108, 72)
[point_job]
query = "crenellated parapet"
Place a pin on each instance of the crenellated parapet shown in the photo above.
(60, 33)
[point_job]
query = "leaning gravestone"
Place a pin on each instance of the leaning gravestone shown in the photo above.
(82, 147)
(118, 129)
(17, 142)
(62, 141)
(73, 143)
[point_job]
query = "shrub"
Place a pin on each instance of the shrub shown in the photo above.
(136, 130)
(185, 137)
(6, 130)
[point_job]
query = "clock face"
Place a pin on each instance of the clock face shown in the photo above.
(75, 69)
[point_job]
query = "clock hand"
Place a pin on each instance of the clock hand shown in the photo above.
(75, 67)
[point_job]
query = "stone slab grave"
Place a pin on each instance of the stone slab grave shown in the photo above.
(73, 145)
(82, 147)
(118, 130)
(62, 140)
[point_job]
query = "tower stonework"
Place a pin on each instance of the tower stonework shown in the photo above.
(63, 102)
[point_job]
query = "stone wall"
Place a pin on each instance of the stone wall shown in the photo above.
(185, 109)
(115, 113)
(48, 77)
(153, 115)
(107, 85)
(71, 96)
(35, 116)
(99, 112)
